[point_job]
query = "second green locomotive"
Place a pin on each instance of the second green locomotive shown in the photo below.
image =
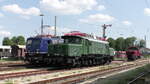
(78, 51)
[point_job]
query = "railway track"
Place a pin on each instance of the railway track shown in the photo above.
(22, 74)
(83, 76)
(69, 78)
(9, 64)
(14, 66)
(11, 68)
(138, 77)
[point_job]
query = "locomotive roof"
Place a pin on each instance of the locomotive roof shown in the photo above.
(133, 47)
(5, 47)
(44, 37)
(90, 39)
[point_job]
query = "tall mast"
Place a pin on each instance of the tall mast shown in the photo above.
(104, 29)
(55, 32)
(41, 24)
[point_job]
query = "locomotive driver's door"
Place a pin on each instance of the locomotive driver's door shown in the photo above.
(85, 47)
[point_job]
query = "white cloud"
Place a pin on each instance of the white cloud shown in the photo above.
(4, 33)
(126, 23)
(101, 7)
(68, 6)
(14, 8)
(98, 18)
(1, 15)
(147, 11)
(60, 30)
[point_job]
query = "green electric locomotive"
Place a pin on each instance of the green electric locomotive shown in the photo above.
(78, 51)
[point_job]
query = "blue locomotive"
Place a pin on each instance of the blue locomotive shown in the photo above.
(37, 48)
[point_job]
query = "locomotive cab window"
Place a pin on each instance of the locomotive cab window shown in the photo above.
(34, 42)
(29, 42)
(73, 40)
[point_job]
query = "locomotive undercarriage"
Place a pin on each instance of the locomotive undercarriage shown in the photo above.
(133, 57)
(75, 61)
(36, 59)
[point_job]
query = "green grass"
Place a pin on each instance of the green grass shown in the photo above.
(9, 59)
(8, 82)
(124, 78)
(146, 56)
(119, 58)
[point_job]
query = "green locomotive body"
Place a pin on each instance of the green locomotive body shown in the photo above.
(112, 52)
(78, 50)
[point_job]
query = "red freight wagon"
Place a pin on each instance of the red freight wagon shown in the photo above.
(120, 54)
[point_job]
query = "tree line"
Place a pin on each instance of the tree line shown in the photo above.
(121, 44)
(15, 40)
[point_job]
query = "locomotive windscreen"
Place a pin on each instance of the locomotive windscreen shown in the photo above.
(33, 42)
(133, 48)
(73, 40)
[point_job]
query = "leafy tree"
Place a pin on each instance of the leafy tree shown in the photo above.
(130, 41)
(142, 43)
(120, 44)
(14, 40)
(111, 42)
(20, 40)
(7, 41)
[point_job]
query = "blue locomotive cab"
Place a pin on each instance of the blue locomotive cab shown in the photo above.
(37, 48)
(38, 45)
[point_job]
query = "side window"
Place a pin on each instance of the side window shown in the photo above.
(86, 42)
(89, 43)
(77, 40)
(29, 42)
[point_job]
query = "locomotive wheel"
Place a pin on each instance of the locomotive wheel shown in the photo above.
(134, 58)
(108, 62)
(103, 61)
(94, 62)
(89, 63)
(139, 57)
(86, 63)
(79, 63)
(97, 62)
(73, 63)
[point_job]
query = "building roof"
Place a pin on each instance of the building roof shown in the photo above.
(5, 47)
(21, 46)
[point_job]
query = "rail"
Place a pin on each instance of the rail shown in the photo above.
(139, 76)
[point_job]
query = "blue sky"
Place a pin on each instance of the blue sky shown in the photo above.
(128, 17)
